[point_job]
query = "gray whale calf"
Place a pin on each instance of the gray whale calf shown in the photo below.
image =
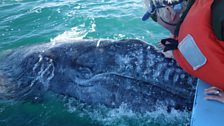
(98, 72)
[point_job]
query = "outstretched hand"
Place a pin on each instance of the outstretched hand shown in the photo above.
(215, 94)
(168, 54)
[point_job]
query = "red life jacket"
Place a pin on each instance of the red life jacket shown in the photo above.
(197, 23)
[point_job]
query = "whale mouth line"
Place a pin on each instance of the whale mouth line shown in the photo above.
(84, 83)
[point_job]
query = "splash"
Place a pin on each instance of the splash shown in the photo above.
(76, 33)
(123, 116)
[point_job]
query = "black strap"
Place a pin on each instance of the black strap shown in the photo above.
(170, 44)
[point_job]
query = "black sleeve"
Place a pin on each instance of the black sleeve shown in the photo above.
(217, 11)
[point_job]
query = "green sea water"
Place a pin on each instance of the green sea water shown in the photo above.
(27, 22)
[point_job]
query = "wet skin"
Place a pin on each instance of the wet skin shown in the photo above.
(98, 72)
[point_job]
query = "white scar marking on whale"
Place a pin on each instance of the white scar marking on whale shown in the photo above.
(98, 43)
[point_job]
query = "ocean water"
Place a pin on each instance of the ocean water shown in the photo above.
(27, 22)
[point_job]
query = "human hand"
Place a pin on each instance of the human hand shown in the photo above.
(215, 94)
(168, 54)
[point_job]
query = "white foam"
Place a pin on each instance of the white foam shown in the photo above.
(75, 33)
(123, 116)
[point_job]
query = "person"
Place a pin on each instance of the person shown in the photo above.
(197, 41)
